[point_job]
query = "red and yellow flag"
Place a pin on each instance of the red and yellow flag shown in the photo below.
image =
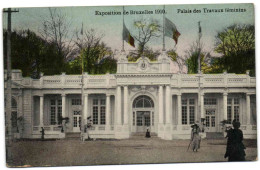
(127, 37)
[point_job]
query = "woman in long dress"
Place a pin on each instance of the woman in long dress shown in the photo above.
(195, 137)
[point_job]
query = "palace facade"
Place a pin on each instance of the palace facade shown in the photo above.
(141, 95)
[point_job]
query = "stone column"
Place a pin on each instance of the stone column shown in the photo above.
(108, 110)
(125, 105)
(118, 110)
(41, 110)
(179, 109)
(225, 106)
(86, 106)
(202, 114)
(248, 109)
(63, 100)
(160, 104)
(167, 104)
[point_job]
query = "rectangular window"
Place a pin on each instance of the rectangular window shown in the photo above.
(210, 101)
(53, 115)
(207, 121)
(229, 115)
(188, 111)
(14, 119)
(184, 115)
(75, 122)
(76, 101)
(233, 109)
(95, 115)
(102, 115)
(99, 111)
(236, 113)
(192, 114)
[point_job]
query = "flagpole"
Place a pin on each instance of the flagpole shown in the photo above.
(123, 43)
(199, 75)
(82, 90)
(163, 29)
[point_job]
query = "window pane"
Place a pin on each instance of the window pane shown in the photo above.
(59, 102)
(192, 114)
(139, 120)
(133, 118)
(103, 101)
(59, 115)
(229, 115)
(53, 102)
(236, 113)
(147, 120)
(75, 122)
(95, 115)
(184, 115)
(76, 102)
(53, 115)
(236, 100)
(191, 101)
(102, 115)
(229, 101)
(207, 121)
(184, 101)
(95, 101)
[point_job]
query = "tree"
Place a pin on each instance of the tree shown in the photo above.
(56, 30)
(236, 43)
(97, 57)
(32, 54)
(146, 30)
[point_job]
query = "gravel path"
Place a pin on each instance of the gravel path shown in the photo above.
(130, 151)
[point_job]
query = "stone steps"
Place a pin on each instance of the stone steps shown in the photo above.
(214, 135)
(71, 135)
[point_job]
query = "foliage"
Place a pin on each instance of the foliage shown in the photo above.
(32, 54)
(148, 52)
(146, 29)
(98, 59)
(236, 43)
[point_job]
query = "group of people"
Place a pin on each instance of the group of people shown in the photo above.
(235, 150)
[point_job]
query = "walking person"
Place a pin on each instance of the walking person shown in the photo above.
(235, 150)
(195, 137)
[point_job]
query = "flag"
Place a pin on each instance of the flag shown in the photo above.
(127, 36)
(171, 30)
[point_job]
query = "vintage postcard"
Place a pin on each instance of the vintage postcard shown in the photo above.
(144, 84)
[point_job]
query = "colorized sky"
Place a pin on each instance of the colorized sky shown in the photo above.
(111, 25)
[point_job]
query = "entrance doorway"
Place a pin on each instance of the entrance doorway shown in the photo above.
(76, 120)
(211, 120)
(143, 120)
(143, 114)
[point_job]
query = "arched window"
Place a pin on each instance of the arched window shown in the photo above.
(143, 102)
(14, 103)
